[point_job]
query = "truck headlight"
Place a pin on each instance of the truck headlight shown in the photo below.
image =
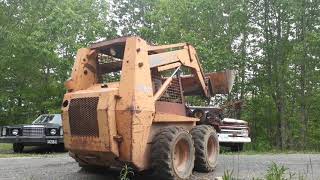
(245, 132)
(61, 131)
(4, 131)
(15, 132)
(53, 131)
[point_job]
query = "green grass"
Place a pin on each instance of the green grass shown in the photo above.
(5, 147)
(274, 172)
(227, 175)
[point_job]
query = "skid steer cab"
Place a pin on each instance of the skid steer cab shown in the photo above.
(125, 104)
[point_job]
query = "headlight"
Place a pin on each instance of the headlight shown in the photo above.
(15, 132)
(53, 131)
(61, 131)
(4, 131)
(245, 132)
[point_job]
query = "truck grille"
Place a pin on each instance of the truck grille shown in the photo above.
(83, 116)
(235, 132)
(33, 131)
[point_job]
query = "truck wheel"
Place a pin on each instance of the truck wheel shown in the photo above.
(207, 147)
(237, 147)
(172, 154)
(17, 147)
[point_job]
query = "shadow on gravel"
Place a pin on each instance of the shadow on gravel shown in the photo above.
(44, 149)
(36, 150)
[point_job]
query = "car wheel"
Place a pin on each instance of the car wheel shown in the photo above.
(17, 147)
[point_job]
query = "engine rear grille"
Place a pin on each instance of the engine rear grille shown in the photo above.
(33, 131)
(83, 116)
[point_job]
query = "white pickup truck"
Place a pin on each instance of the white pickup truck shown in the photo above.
(233, 133)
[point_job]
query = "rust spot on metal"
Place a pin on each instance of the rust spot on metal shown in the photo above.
(133, 110)
(104, 86)
(118, 138)
(117, 97)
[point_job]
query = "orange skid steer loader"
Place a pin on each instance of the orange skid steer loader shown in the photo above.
(125, 104)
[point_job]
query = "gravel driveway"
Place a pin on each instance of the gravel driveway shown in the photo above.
(61, 166)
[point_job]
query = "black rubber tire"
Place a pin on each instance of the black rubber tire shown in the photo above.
(162, 153)
(17, 147)
(237, 147)
(201, 137)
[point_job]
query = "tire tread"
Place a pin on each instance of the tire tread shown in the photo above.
(198, 134)
(160, 152)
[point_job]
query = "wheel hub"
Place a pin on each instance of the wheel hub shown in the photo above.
(211, 149)
(181, 156)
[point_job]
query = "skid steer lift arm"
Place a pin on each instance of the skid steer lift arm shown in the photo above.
(176, 55)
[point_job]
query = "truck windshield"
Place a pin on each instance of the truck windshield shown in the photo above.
(43, 119)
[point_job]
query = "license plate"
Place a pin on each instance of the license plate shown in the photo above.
(52, 141)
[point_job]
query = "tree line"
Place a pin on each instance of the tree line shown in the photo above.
(273, 44)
